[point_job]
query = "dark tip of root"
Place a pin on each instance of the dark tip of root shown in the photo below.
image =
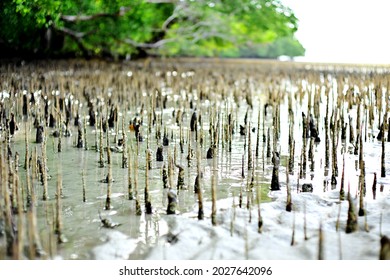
(172, 202)
(385, 248)
(159, 154)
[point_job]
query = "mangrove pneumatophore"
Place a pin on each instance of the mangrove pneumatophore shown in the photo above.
(385, 248)
(275, 185)
(172, 202)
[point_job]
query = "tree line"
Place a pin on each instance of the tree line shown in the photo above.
(138, 28)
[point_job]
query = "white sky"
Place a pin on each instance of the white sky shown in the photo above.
(343, 30)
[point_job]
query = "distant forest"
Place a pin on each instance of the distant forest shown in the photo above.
(139, 28)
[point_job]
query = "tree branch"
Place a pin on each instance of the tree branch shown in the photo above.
(170, 19)
(76, 36)
(154, 45)
(76, 18)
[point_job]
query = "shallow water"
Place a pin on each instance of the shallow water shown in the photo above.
(179, 82)
(82, 226)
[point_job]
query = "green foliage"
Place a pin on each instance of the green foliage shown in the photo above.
(285, 46)
(123, 27)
